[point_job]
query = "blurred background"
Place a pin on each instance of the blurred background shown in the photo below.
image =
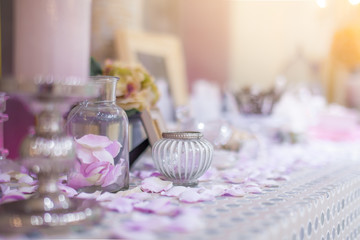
(226, 46)
(239, 43)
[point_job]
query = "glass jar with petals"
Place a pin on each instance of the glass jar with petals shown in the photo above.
(182, 157)
(100, 130)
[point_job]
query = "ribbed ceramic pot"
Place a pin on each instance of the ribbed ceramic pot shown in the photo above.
(182, 157)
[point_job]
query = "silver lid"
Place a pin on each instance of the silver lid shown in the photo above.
(182, 135)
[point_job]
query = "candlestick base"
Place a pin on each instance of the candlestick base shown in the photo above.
(16, 217)
(49, 153)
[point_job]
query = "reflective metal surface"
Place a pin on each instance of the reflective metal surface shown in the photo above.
(48, 153)
(18, 217)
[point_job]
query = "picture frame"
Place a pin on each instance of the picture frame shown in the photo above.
(153, 123)
(161, 54)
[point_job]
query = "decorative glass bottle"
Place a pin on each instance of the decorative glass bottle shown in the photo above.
(100, 129)
(182, 157)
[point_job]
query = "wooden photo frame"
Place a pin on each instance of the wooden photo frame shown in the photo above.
(161, 54)
(153, 123)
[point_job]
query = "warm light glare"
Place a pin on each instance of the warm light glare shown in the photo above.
(354, 2)
(323, 3)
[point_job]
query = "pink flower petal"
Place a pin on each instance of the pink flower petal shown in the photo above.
(113, 174)
(4, 177)
(188, 221)
(253, 190)
(174, 191)
(27, 179)
(141, 196)
(234, 176)
(94, 141)
(77, 180)
(85, 155)
(155, 185)
(28, 190)
(70, 192)
(160, 206)
(194, 195)
(103, 156)
(121, 205)
(93, 195)
(114, 148)
(210, 174)
(12, 195)
(235, 192)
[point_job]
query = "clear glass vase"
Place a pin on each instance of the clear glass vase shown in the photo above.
(182, 157)
(100, 130)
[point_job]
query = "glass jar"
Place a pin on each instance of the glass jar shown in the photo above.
(182, 157)
(100, 129)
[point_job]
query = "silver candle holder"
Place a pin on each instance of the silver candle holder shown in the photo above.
(48, 153)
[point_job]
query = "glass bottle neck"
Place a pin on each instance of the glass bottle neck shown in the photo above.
(107, 92)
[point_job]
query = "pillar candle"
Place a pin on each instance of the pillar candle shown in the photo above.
(52, 40)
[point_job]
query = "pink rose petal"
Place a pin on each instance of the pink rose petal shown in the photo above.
(210, 174)
(141, 196)
(113, 174)
(94, 141)
(4, 178)
(174, 191)
(234, 191)
(27, 179)
(234, 176)
(28, 190)
(93, 195)
(121, 205)
(114, 148)
(70, 192)
(12, 195)
(85, 155)
(160, 206)
(188, 221)
(193, 195)
(155, 185)
(253, 190)
(103, 156)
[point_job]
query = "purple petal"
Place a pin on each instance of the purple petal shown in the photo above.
(121, 205)
(253, 190)
(145, 174)
(28, 190)
(234, 176)
(103, 156)
(93, 141)
(188, 221)
(70, 192)
(210, 174)
(4, 178)
(77, 180)
(141, 196)
(114, 148)
(155, 185)
(12, 195)
(234, 191)
(194, 195)
(93, 195)
(160, 206)
(174, 191)
(85, 155)
(26, 179)
(113, 174)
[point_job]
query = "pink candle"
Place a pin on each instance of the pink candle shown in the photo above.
(52, 39)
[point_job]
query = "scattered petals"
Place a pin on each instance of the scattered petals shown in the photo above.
(4, 177)
(93, 141)
(155, 185)
(174, 191)
(84, 195)
(120, 204)
(160, 206)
